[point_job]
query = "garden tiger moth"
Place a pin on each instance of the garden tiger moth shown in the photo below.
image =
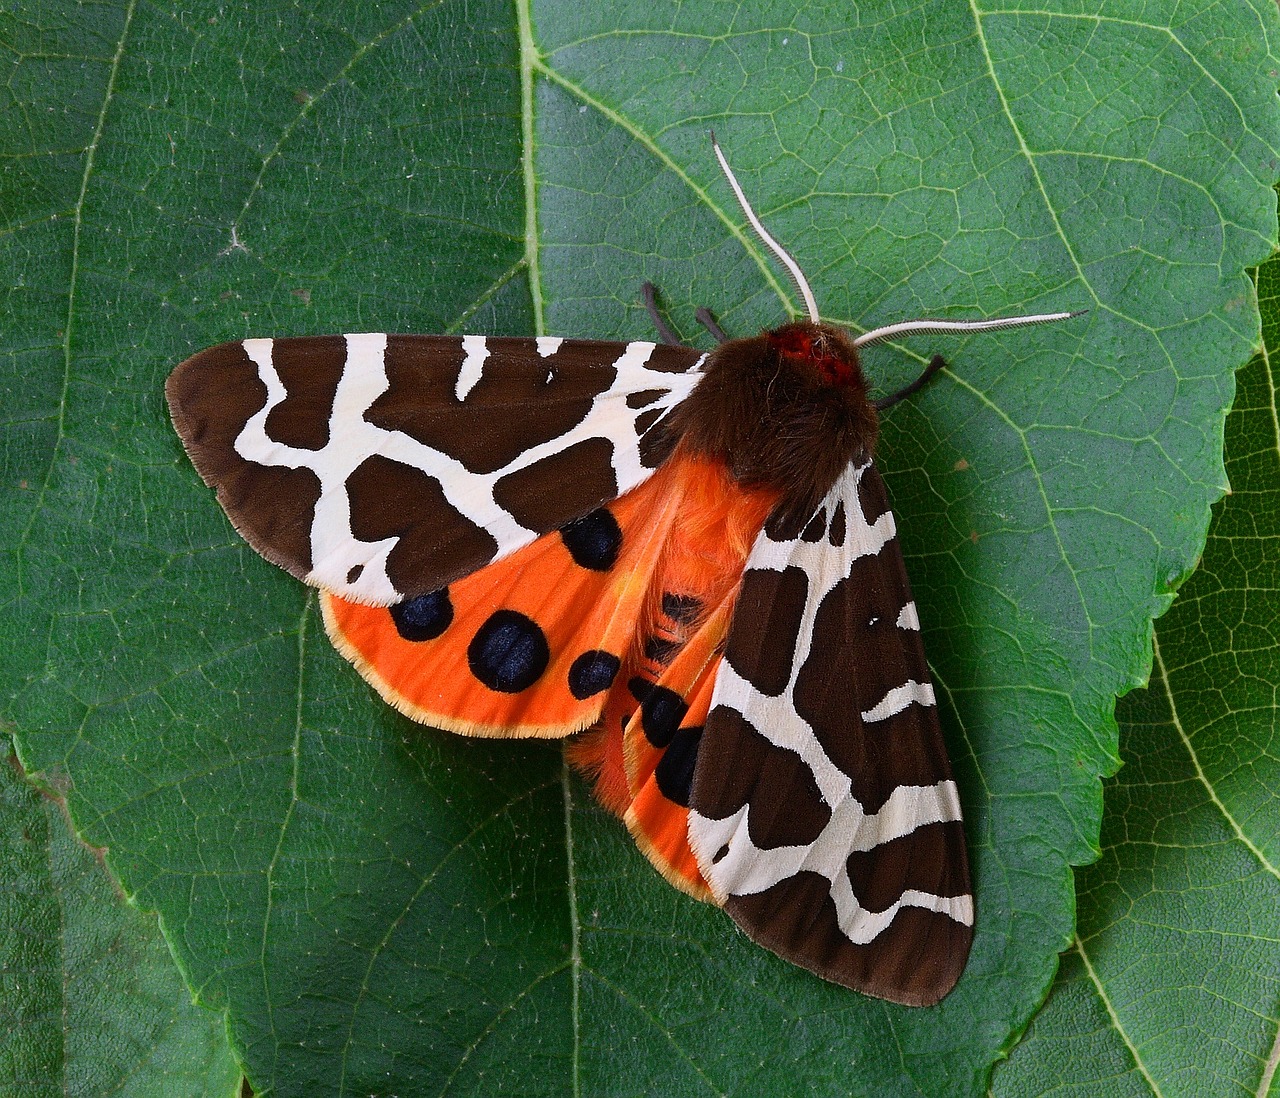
(687, 558)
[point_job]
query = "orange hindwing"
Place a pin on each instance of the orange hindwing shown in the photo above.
(529, 645)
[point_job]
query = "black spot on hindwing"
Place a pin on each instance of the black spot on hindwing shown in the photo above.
(509, 652)
(592, 672)
(425, 617)
(674, 772)
(661, 711)
(593, 540)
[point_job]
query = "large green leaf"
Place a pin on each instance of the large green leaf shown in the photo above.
(383, 909)
(1173, 984)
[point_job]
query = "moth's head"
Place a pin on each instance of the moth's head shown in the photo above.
(820, 353)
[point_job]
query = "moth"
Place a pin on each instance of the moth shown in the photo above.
(685, 560)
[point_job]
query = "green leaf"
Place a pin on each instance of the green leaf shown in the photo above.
(379, 908)
(91, 1002)
(1174, 979)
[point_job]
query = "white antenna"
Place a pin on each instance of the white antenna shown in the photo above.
(793, 268)
(907, 327)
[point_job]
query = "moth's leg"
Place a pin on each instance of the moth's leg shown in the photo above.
(935, 364)
(651, 307)
(705, 318)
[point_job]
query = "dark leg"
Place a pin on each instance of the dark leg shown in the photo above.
(935, 364)
(651, 307)
(709, 322)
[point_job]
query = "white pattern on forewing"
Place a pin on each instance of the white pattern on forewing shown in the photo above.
(776, 718)
(745, 869)
(475, 349)
(897, 698)
(353, 439)
(752, 870)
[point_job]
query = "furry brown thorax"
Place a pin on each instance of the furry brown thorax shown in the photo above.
(787, 409)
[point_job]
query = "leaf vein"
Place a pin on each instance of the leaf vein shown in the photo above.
(1115, 1019)
(1176, 719)
(67, 329)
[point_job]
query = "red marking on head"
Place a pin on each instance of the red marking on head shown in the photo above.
(799, 344)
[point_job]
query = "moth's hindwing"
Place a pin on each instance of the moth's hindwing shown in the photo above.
(382, 467)
(823, 813)
(643, 753)
(530, 645)
(662, 739)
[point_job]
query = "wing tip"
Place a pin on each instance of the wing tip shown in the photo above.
(915, 961)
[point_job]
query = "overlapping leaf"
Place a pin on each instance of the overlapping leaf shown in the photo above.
(381, 909)
(1173, 984)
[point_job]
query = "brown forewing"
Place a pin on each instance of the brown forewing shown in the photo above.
(861, 646)
(482, 416)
